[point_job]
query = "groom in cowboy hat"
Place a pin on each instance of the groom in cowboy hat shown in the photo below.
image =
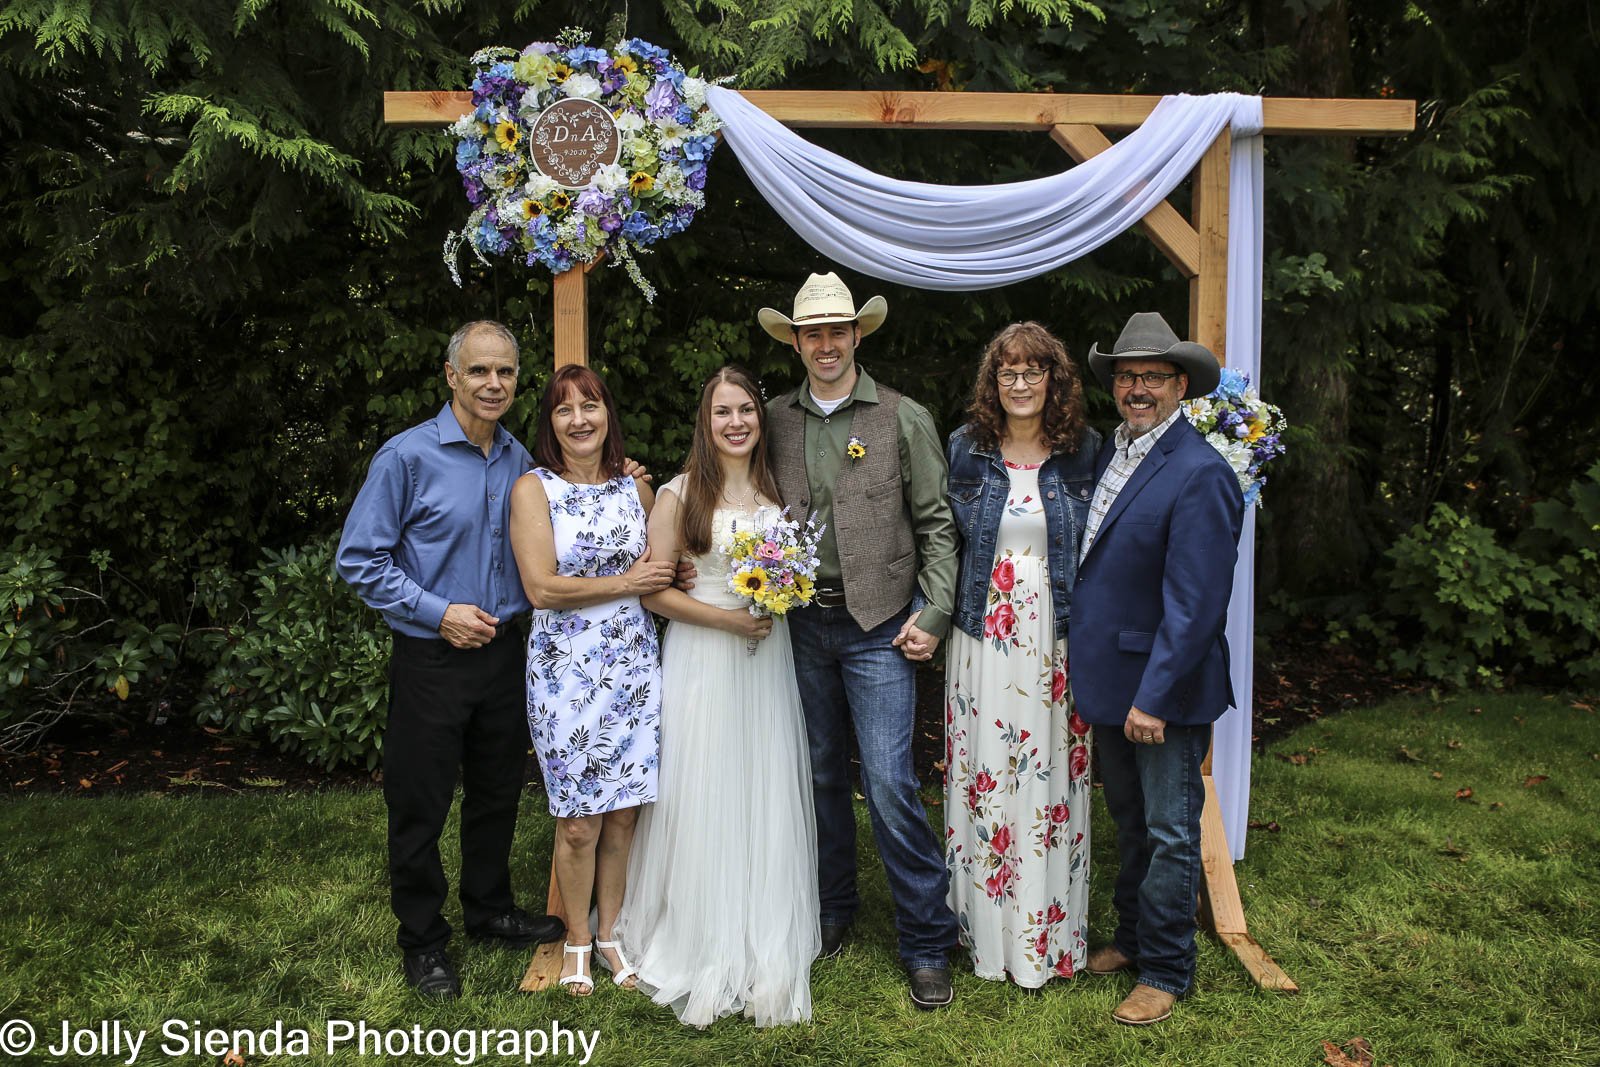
(1149, 660)
(870, 464)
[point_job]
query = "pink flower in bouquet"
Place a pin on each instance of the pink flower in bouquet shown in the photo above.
(769, 550)
(1005, 576)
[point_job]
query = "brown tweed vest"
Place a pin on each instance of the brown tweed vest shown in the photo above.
(877, 554)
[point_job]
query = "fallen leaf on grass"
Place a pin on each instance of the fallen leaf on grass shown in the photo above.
(1452, 744)
(1534, 779)
(1517, 719)
(1464, 793)
(1406, 754)
(1450, 848)
(264, 783)
(84, 783)
(1356, 1052)
(1299, 759)
(233, 1059)
(1581, 706)
(117, 766)
(1436, 775)
(1496, 806)
(1270, 827)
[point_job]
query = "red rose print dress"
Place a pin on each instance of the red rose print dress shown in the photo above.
(1017, 768)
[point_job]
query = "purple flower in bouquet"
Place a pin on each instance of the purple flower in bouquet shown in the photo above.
(593, 202)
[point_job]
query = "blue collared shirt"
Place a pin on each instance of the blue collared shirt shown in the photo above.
(431, 527)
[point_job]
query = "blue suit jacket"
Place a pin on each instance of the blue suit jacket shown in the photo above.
(1150, 603)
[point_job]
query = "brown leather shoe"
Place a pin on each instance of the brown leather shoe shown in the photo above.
(1107, 959)
(1145, 1005)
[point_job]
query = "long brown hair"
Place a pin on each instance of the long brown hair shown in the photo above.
(702, 474)
(1063, 422)
(576, 378)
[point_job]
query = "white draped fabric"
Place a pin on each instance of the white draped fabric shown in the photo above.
(966, 237)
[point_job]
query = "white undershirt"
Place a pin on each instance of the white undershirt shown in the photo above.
(828, 407)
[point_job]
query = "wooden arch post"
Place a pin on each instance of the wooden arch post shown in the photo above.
(1197, 247)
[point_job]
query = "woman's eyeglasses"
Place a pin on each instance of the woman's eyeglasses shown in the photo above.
(1008, 378)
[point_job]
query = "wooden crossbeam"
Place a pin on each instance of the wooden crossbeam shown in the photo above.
(981, 111)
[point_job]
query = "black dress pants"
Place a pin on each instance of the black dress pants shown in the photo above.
(452, 711)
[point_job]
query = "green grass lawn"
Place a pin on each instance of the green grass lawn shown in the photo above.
(1444, 929)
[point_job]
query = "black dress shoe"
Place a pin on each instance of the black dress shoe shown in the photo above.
(517, 929)
(832, 940)
(930, 987)
(432, 976)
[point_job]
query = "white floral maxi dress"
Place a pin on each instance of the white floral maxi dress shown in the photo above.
(1017, 768)
(594, 673)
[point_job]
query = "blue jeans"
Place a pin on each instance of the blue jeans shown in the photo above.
(847, 678)
(1155, 794)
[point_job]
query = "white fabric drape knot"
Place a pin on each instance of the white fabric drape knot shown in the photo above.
(968, 237)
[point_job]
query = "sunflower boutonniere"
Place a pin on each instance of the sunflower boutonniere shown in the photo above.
(855, 448)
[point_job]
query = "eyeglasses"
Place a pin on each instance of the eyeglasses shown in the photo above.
(1008, 378)
(1152, 379)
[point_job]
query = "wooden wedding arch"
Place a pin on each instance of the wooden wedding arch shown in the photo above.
(1197, 247)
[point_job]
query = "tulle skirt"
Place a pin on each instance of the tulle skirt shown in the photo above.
(721, 913)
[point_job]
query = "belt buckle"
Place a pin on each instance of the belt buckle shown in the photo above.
(829, 598)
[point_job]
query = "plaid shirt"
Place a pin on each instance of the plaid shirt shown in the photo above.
(1129, 452)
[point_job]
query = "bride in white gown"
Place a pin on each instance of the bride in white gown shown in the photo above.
(721, 915)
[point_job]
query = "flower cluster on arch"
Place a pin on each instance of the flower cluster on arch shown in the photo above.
(652, 191)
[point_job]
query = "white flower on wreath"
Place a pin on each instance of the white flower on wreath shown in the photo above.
(538, 186)
(630, 121)
(529, 107)
(669, 183)
(693, 91)
(581, 87)
(610, 178)
(672, 134)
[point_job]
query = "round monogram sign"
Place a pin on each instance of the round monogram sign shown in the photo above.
(571, 139)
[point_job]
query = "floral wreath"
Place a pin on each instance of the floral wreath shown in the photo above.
(1247, 430)
(652, 190)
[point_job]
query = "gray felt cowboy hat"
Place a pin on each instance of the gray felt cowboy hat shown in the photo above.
(1147, 336)
(823, 298)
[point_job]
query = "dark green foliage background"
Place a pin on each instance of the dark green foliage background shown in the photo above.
(223, 288)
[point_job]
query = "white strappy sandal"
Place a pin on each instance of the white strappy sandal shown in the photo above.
(624, 969)
(578, 977)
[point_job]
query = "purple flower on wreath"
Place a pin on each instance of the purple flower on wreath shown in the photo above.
(474, 190)
(543, 48)
(611, 223)
(489, 238)
(694, 174)
(593, 202)
(684, 116)
(491, 86)
(661, 101)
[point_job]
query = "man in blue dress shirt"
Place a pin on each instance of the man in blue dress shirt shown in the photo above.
(427, 545)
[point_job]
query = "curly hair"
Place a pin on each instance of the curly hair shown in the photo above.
(1036, 346)
(568, 384)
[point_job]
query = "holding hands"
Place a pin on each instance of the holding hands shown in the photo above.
(915, 643)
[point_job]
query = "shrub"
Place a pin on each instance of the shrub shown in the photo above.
(308, 666)
(1460, 607)
(57, 640)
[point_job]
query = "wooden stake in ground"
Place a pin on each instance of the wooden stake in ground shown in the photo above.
(1198, 248)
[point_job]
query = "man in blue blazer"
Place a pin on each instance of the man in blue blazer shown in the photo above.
(1149, 659)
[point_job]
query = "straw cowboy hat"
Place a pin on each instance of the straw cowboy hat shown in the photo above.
(823, 298)
(1147, 336)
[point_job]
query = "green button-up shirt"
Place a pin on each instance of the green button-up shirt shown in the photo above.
(924, 478)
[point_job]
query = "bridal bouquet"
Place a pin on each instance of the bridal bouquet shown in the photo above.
(774, 567)
(1243, 427)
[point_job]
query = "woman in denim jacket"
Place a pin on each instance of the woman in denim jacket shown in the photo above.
(1016, 756)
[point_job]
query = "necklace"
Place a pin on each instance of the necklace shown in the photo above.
(744, 504)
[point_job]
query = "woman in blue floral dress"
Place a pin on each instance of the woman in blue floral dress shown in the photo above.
(578, 527)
